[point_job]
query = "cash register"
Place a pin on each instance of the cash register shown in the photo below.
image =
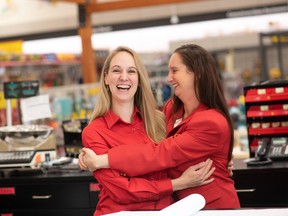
(26, 145)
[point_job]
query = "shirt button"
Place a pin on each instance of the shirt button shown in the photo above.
(150, 177)
(122, 174)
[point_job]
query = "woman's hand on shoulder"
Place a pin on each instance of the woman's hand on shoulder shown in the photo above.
(195, 175)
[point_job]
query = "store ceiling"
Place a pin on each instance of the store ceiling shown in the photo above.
(19, 19)
(191, 11)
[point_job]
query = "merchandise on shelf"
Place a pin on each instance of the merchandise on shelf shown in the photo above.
(50, 69)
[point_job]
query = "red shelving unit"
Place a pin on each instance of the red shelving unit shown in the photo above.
(266, 112)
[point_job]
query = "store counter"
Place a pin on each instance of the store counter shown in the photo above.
(261, 186)
(75, 192)
(32, 192)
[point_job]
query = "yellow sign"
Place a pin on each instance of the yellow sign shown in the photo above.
(281, 39)
(11, 46)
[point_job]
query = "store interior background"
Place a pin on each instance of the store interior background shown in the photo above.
(46, 47)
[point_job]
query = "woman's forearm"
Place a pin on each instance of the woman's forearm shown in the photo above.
(89, 159)
(177, 184)
(193, 176)
(102, 161)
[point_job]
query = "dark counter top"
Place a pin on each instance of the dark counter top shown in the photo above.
(54, 174)
(276, 166)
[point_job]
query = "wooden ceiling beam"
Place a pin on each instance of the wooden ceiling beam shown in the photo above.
(74, 1)
(95, 6)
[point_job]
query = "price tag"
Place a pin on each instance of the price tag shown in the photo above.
(261, 91)
(264, 108)
(279, 90)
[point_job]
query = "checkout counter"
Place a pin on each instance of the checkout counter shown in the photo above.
(75, 192)
(64, 189)
(59, 192)
(261, 186)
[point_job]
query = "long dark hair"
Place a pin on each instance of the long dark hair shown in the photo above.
(208, 85)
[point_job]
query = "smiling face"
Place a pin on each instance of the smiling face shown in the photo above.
(122, 78)
(181, 78)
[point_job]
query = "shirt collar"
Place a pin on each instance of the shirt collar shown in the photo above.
(180, 113)
(179, 116)
(111, 118)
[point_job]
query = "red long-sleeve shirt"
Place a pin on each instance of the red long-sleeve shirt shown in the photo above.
(203, 134)
(117, 190)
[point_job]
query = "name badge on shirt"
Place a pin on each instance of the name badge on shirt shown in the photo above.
(177, 122)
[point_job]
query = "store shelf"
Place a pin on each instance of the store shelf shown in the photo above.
(39, 63)
(266, 115)
(267, 131)
(266, 95)
(19, 60)
(268, 110)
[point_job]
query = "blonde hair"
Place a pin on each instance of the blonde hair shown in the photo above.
(154, 121)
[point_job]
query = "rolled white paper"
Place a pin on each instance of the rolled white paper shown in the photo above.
(184, 207)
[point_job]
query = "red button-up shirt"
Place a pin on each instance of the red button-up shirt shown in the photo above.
(117, 190)
(203, 134)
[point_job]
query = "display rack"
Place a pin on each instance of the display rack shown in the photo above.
(267, 117)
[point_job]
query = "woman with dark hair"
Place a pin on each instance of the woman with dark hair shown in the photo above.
(198, 127)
